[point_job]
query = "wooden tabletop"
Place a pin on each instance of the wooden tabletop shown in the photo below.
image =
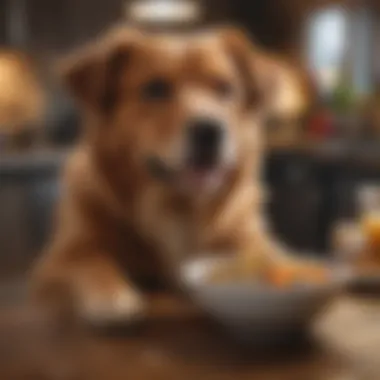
(178, 342)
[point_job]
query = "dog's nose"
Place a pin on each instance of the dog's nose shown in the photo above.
(205, 132)
(205, 137)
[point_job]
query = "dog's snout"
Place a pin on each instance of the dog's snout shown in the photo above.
(205, 137)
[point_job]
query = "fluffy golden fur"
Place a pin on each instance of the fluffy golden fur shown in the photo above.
(117, 223)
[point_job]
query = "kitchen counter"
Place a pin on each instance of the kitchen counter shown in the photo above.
(33, 162)
(334, 152)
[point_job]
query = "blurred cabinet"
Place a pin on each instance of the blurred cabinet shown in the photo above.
(48, 27)
(3, 32)
(296, 201)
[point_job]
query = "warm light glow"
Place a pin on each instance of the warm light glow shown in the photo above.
(290, 97)
(21, 95)
(164, 11)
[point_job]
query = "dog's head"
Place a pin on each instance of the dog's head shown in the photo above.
(183, 108)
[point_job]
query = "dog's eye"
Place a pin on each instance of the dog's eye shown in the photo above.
(223, 88)
(157, 89)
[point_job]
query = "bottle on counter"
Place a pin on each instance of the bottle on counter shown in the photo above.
(348, 241)
(321, 123)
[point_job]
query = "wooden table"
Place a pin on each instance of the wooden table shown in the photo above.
(178, 342)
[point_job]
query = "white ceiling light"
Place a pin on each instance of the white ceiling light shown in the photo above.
(163, 11)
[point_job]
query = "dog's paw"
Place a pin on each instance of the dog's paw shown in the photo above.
(123, 306)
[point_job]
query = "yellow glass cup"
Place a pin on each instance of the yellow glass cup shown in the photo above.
(371, 230)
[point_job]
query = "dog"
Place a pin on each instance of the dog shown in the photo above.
(168, 167)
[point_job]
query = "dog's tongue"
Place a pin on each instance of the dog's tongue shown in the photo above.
(199, 179)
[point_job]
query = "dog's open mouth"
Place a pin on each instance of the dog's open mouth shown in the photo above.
(188, 178)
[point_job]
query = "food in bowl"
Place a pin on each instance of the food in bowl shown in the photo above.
(279, 275)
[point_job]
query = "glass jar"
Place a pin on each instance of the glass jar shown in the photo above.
(369, 209)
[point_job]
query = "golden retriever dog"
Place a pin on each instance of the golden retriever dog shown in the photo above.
(168, 167)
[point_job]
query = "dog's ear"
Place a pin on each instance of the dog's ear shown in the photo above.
(93, 75)
(270, 84)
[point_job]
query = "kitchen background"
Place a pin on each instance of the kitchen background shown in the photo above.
(317, 159)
